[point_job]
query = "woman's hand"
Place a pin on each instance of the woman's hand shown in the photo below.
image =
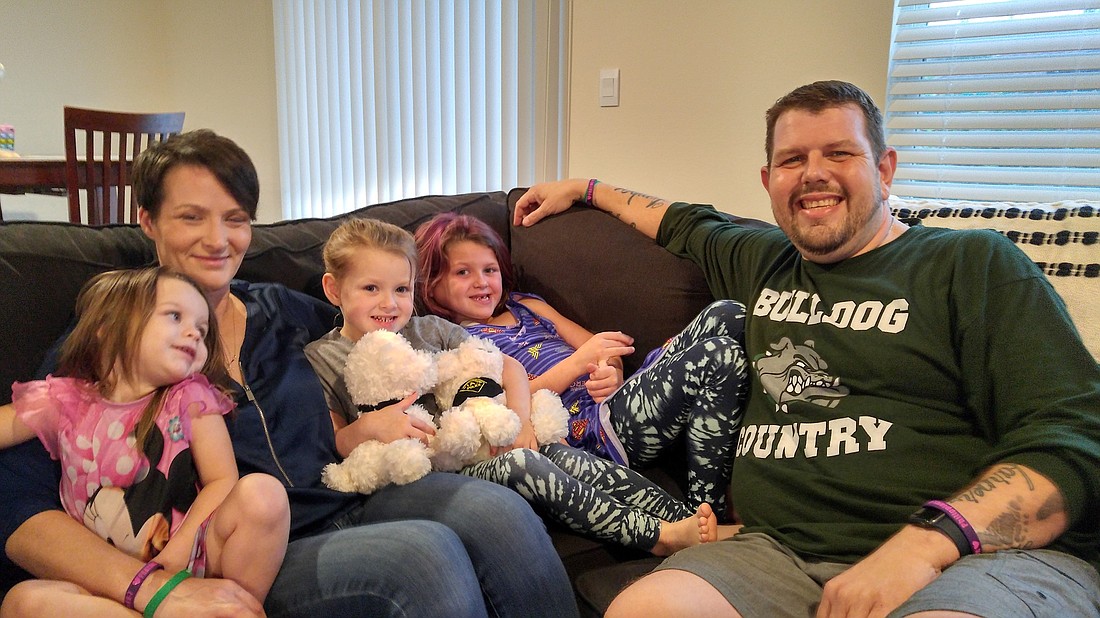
(603, 379)
(209, 597)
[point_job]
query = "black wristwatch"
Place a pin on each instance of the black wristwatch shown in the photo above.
(928, 517)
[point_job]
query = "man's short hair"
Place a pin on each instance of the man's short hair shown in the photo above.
(819, 96)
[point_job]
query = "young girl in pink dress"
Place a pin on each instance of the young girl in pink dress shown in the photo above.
(134, 415)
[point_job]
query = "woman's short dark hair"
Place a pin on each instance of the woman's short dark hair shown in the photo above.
(229, 163)
(819, 96)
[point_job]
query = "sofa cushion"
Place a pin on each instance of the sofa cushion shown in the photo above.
(1062, 238)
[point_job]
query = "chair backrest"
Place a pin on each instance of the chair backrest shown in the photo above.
(99, 166)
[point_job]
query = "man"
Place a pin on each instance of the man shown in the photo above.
(923, 414)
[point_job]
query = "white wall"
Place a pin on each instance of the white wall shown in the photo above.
(696, 78)
(212, 59)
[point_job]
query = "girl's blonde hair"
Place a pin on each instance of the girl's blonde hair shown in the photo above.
(112, 310)
(355, 234)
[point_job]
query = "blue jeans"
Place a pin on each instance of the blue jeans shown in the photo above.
(446, 545)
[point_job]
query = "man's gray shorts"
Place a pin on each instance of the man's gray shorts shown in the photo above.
(759, 577)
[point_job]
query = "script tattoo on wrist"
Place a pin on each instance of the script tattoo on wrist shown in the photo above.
(654, 202)
(998, 478)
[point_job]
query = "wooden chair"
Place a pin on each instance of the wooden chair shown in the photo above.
(100, 167)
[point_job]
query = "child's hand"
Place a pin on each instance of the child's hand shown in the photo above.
(525, 439)
(391, 423)
(603, 379)
(603, 346)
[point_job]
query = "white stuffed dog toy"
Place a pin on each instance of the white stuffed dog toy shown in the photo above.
(383, 368)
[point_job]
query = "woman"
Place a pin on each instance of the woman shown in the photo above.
(199, 194)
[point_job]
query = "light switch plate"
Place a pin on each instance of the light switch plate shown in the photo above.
(609, 87)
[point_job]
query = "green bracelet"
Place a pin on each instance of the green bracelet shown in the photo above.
(158, 598)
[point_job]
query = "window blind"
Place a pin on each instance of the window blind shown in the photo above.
(386, 99)
(996, 99)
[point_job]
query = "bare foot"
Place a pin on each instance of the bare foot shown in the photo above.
(702, 527)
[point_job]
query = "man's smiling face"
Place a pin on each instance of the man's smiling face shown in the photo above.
(827, 191)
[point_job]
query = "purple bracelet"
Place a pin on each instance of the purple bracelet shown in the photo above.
(960, 521)
(139, 579)
(588, 195)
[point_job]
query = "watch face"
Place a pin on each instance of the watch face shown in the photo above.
(927, 517)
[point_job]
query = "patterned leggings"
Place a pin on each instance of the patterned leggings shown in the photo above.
(694, 388)
(588, 494)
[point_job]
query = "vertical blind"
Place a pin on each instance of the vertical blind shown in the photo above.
(385, 99)
(996, 99)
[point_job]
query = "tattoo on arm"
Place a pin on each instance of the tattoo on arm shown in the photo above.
(1013, 527)
(1000, 477)
(1009, 529)
(620, 218)
(654, 202)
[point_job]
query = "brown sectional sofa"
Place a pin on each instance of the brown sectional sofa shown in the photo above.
(592, 268)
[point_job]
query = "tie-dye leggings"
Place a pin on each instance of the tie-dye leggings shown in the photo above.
(586, 493)
(695, 388)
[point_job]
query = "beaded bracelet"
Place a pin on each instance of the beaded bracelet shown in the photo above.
(590, 192)
(159, 597)
(139, 579)
(960, 521)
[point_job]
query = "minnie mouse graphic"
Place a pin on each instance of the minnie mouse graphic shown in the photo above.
(139, 518)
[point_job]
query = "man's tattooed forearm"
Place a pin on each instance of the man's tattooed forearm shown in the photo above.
(654, 202)
(1053, 506)
(1000, 477)
(1009, 529)
(620, 218)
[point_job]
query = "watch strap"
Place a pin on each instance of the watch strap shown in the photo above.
(968, 531)
(935, 519)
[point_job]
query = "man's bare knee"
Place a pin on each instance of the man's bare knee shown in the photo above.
(670, 593)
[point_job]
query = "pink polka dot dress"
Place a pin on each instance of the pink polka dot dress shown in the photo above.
(133, 497)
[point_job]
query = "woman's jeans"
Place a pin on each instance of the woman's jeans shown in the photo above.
(446, 545)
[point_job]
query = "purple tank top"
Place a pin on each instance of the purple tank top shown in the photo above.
(535, 343)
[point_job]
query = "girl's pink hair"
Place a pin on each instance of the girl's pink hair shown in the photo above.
(433, 238)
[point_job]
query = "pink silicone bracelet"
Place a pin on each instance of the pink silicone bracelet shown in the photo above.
(960, 521)
(590, 192)
(139, 579)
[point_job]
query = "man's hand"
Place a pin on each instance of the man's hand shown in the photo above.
(547, 198)
(888, 576)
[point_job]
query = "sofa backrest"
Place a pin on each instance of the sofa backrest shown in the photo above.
(44, 264)
(1062, 238)
(606, 276)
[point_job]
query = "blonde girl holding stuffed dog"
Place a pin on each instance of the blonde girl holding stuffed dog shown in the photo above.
(135, 418)
(370, 273)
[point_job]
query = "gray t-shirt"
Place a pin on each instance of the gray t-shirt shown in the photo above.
(329, 355)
